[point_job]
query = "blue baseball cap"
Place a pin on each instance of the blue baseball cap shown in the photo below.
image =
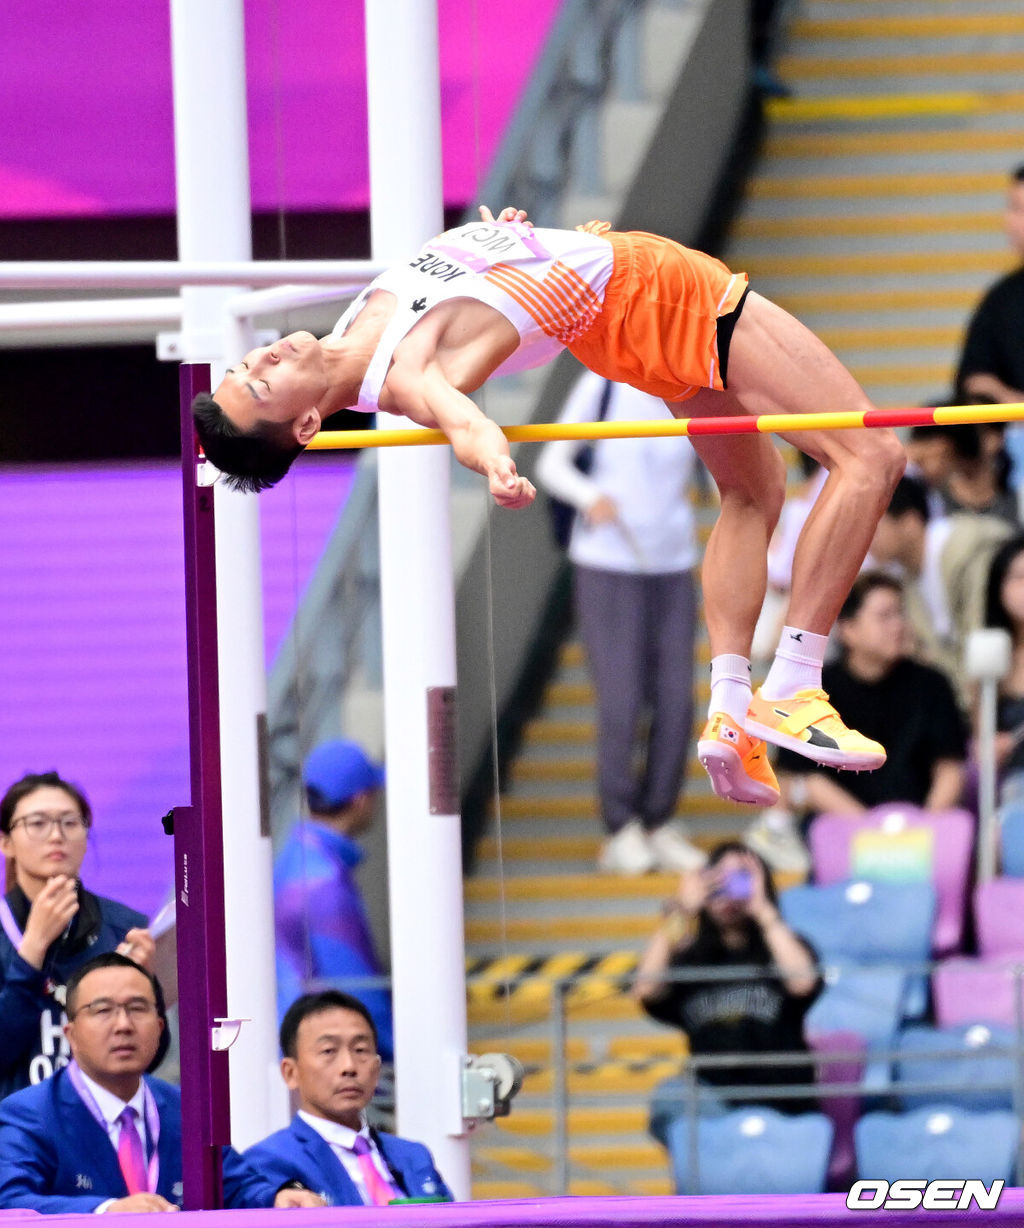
(336, 771)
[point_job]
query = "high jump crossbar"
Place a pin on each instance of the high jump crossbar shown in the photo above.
(763, 424)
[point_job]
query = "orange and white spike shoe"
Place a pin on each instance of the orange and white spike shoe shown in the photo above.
(737, 763)
(809, 725)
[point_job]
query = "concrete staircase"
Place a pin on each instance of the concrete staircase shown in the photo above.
(874, 215)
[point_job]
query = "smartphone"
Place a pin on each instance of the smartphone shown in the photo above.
(736, 885)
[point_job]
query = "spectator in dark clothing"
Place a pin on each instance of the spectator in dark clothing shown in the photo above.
(992, 362)
(49, 924)
(1004, 607)
(726, 917)
(965, 468)
(909, 707)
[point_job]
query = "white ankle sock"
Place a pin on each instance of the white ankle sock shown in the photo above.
(730, 686)
(797, 663)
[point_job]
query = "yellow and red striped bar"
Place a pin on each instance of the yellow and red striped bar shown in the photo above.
(765, 424)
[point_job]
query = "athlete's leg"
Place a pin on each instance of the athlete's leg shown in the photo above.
(751, 480)
(776, 365)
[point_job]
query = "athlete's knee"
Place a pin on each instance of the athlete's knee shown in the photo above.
(872, 466)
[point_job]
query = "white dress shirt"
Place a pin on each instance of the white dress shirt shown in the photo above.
(341, 1139)
(112, 1107)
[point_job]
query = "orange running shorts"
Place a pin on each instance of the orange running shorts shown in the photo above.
(657, 328)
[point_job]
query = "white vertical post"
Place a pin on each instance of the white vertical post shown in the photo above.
(212, 172)
(424, 841)
(987, 657)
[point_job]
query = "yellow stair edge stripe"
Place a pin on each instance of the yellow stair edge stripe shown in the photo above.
(524, 1158)
(916, 26)
(841, 264)
(937, 336)
(873, 301)
(551, 848)
(854, 144)
(623, 1155)
(870, 67)
(534, 770)
(532, 1050)
(493, 1191)
(566, 929)
(938, 374)
(888, 224)
(890, 106)
(596, 1119)
(572, 886)
(614, 1007)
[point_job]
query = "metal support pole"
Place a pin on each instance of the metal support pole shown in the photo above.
(198, 848)
(212, 179)
(692, 1131)
(418, 626)
(560, 1085)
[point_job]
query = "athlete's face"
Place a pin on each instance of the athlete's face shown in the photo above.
(279, 383)
(1014, 219)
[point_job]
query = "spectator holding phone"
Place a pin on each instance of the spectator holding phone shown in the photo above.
(720, 918)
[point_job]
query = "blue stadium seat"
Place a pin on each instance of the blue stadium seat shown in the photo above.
(1012, 838)
(863, 921)
(868, 923)
(967, 1081)
(932, 1143)
(752, 1151)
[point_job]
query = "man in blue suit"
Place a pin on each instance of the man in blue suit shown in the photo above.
(100, 1135)
(330, 1059)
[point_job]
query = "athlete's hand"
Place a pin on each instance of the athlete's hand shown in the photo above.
(139, 946)
(506, 485)
(508, 214)
(50, 914)
(139, 1202)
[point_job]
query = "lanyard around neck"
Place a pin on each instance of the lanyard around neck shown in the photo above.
(150, 1113)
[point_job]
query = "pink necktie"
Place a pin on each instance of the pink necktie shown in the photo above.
(380, 1192)
(130, 1155)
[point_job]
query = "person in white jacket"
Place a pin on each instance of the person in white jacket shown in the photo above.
(633, 548)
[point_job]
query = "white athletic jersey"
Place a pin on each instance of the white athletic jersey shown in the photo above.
(549, 284)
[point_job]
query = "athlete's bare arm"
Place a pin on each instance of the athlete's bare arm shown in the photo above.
(424, 394)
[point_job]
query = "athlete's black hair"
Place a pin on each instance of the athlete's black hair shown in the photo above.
(252, 460)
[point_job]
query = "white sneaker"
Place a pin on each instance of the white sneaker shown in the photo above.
(774, 836)
(627, 852)
(673, 851)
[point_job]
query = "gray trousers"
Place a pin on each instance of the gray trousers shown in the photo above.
(639, 635)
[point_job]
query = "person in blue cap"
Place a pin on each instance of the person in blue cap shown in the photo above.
(323, 932)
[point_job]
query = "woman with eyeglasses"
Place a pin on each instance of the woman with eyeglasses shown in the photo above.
(49, 923)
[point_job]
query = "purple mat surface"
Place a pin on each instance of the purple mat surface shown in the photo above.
(813, 1210)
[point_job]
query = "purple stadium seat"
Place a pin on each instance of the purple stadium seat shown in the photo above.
(999, 917)
(843, 1111)
(969, 991)
(902, 843)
